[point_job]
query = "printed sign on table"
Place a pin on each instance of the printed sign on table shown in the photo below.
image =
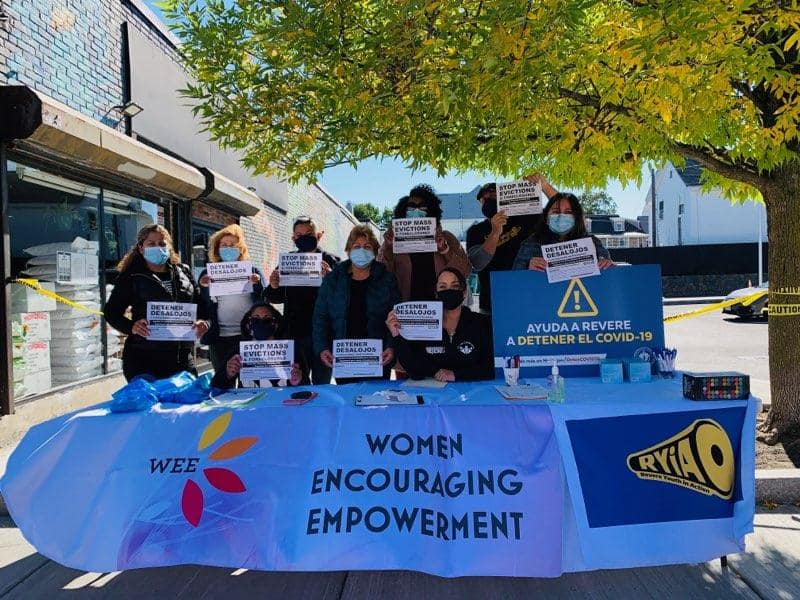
(414, 235)
(576, 323)
(357, 358)
(262, 360)
(520, 198)
(75, 268)
(420, 320)
(229, 278)
(171, 321)
(568, 260)
(300, 269)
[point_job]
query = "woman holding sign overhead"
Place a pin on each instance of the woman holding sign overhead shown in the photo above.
(151, 272)
(224, 292)
(353, 302)
(563, 222)
(417, 261)
(465, 350)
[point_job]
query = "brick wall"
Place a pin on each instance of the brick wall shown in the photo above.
(329, 216)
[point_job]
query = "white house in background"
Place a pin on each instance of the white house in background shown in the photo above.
(685, 215)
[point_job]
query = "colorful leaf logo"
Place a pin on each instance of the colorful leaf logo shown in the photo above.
(224, 480)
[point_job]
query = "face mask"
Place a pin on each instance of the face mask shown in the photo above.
(262, 329)
(414, 213)
(306, 243)
(450, 299)
(362, 257)
(560, 224)
(156, 255)
(229, 254)
(489, 208)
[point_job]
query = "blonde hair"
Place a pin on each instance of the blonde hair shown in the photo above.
(361, 231)
(232, 230)
(125, 263)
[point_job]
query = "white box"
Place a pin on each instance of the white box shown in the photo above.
(36, 356)
(37, 383)
(25, 299)
(31, 326)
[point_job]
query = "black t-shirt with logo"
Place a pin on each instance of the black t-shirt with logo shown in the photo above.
(515, 231)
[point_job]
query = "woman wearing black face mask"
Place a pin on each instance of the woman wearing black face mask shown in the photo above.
(465, 352)
(262, 322)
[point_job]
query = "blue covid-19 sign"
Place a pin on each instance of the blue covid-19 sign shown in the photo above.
(576, 323)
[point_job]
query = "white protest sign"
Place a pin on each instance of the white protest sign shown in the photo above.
(420, 320)
(266, 360)
(519, 198)
(171, 321)
(229, 278)
(300, 269)
(357, 358)
(414, 235)
(76, 268)
(568, 260)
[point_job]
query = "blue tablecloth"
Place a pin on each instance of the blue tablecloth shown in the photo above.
(467, 484)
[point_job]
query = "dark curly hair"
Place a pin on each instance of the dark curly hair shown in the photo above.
(423, 192)
(280, 332)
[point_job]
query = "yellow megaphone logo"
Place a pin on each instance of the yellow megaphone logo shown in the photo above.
(699, 458)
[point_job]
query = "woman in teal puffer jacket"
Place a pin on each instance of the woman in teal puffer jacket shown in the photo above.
(354, 300)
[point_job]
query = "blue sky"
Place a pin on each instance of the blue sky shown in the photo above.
(382, 182)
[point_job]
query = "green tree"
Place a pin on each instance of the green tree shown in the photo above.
(367, 212)
(598, 203)
(581, 90)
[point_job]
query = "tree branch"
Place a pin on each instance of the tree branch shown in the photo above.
(737, 172)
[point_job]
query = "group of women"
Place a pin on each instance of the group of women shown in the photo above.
(356, 300)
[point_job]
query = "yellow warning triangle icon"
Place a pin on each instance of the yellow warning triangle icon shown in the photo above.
(577, 302)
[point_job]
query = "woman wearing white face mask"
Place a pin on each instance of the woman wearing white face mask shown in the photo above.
(354, 299)
(226, 312)
(563, 222)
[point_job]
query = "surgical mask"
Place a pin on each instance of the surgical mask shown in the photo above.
(414, 213)
(262, 329)
(560, 224)
(306, 243)
(156, 255)
(450, 299)
(229, 253)
(489, 208)
(362, 257)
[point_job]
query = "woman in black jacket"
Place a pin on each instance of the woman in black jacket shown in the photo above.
(152, 272)
(465, 352)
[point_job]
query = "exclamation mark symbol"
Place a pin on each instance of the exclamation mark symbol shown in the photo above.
(577, 295)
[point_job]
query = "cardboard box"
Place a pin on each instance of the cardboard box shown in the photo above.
(31, 326)
(35, 383)
(639, 371)
(728, 385)
(611, 370)
(35, 356)
(25, 299)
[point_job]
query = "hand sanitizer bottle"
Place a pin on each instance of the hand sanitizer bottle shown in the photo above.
(555, 386)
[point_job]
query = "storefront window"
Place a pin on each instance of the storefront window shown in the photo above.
(55, 240)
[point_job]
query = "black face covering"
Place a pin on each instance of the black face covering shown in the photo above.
(489, 208)
(262, 329)
(306, 243)
(450, 299)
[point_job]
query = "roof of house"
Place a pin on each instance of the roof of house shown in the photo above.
(602, 224)
(690, 173)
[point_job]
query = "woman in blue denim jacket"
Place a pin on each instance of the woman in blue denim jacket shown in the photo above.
(563, 222)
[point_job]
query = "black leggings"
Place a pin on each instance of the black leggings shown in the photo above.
(157, 363)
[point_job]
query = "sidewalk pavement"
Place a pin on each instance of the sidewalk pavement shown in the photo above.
(769, 570)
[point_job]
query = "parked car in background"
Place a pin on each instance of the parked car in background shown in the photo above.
(759, 308)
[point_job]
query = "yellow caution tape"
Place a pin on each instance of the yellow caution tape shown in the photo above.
(787, 291)
(35, 285)
(784, 310)
(744, 301)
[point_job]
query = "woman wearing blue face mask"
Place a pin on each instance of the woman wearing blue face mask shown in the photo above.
(152, 272)
(354, 300)
(564, 221)
(225, 312)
